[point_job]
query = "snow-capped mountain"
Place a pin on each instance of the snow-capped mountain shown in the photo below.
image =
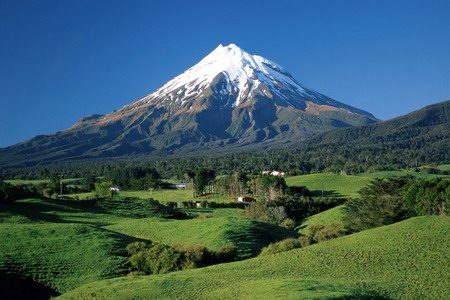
(245, 76)
(229, 99)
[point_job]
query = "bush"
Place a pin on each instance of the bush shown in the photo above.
(227, 253)
(288, 224)
(266, 213)
(103, 189)
(155, 258)
(195, 256)
(10, 193)
(281, 246)
(320, 233)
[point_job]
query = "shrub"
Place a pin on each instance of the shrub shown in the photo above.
(10, 193)
(226, 253)
(164, 259)
(320, 233)
(158, 258)
(305, 240)
(103, 189)
(266, 213)
(195, 256)
(288, 224)
(136, 247)
(281, 246)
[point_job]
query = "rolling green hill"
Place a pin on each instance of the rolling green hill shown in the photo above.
(248, 235)
(330, 184)
(418, 138)
(61, 256)
(346, 185)
(62, 244)
(406, 260)
(331, 216)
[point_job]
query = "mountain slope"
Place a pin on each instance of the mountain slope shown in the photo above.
(406, 260)
(230, 98)
(415, 139)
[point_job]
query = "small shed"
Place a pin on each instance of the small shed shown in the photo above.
(245, 199)
(277, 173)
(179, 186)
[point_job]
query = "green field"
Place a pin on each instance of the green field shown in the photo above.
(444, 167)
(162, 196)
(39, 181)
(329, 184)
(248, 235)
(386, 174)
(62, 244)
(406, 260)
(329, 217)
(173, 195)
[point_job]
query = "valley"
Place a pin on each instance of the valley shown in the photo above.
(45, 237)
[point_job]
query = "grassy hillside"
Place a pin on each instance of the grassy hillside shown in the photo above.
(329, 217)
(386, 174)
(248, 235)
(407, 260)
(162, 196)
(62, 244)
(61, 256)
(330, 184)
(346, 185)
(444, 167)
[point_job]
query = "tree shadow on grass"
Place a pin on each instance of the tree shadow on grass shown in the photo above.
(43, 210)
(325, 193)
(15, 287)
(251, 239)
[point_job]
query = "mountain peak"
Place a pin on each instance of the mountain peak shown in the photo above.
(244, 73)
(237, 77)
(229, 99)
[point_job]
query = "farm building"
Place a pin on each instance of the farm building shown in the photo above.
(179, 186)
(273, 173)
(246, 199)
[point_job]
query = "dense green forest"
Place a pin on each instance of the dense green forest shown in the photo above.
(416, 139)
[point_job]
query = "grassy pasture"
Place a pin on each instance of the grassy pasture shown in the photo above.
(62, 244)
(406, 260)
(162, 196)
(330, 184)
(346, 185)
(248, 235)
(39, 181)
(329, 217)
(444, 167)
(387, 174)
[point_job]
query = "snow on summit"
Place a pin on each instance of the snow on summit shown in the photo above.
(244, 72)
(236, 77)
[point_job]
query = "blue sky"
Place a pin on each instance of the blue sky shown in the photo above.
(63, 60)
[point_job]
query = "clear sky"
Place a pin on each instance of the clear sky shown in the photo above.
(62, 60)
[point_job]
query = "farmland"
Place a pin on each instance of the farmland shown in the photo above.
(77, 247)
(347, 186)
(62, 244)
(381, 263)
